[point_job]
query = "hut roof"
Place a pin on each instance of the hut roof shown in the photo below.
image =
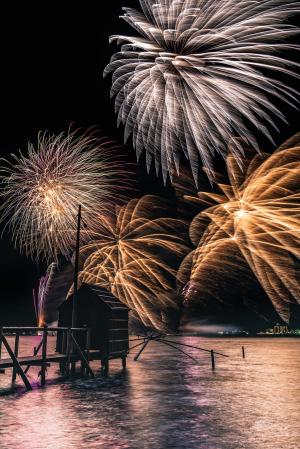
(108, 298)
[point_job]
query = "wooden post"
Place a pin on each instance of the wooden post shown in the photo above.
(124, 362)
(82, 356)
(104, 367)
(16, 352)
(16, 363)
(44, 357)
(73, 368)
(72, 349)
(212, 356)
(82, 365)
(35, 352)
(243, 352)
(68, 351)
(76, 269)
(64, 343)
(146, 341)
(1, 333)
(87, 347)
(62, 365)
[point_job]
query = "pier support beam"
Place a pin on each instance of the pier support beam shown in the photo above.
(104, 367)
(16, 364)
(212, 355)
(44, 357)
(82, 356)
(16, 351)
(141, 350)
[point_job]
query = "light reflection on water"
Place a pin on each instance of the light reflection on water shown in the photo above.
(165, 401)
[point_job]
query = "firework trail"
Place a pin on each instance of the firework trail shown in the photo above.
(40, 294)
(136, 255)
(194, 77)
(52, 292)
(42, 191)
(256, 221)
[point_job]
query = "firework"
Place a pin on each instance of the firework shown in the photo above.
(256, 221)
(52, 291)
(40, 294)
(136, 255)
(42, 191)
(196, 71)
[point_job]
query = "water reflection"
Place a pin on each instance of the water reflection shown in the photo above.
(165, 401)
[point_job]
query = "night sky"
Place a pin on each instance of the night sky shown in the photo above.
(52, 61)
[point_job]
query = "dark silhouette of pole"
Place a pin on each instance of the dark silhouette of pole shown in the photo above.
(76, 268)
(212, 356)
(243, 352)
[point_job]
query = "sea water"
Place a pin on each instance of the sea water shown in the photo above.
(165, 400)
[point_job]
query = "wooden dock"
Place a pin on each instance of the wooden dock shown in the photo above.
(73, 352)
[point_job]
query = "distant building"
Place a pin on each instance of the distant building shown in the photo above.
(280, 329)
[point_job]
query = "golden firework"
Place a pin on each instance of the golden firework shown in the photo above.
(254, 219)
(135, 256)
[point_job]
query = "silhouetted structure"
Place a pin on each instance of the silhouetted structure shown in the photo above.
(107, 319)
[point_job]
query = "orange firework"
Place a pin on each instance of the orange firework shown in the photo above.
(255, 219)
(135, 255)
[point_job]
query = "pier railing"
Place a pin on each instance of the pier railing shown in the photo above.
(71, 351)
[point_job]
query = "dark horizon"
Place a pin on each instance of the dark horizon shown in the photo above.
(52, 65)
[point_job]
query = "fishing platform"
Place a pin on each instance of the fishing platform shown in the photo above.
(73, 351)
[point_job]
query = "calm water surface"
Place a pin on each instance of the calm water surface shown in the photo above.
(164, 401)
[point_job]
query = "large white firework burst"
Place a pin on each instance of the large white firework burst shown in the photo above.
(42, 191)
(196, 72)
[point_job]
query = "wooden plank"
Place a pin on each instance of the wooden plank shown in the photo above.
(32, 360)
(94, 355)
(40, 329)
(44, 357)
(82, 356)
(35, 352)
(68, 354)
(119, 319)
(16, 352)
(16, 364)
(87, 349)
(117, 341)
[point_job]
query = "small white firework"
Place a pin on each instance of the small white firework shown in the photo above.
(43, 190)
(196, 72)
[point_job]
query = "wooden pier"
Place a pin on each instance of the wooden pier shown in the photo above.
(73, 351)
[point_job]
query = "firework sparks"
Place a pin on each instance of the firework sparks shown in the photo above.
(195, 71)
(256, 220)
(135, 256)
(42, 191)
(51, 292)
(40, 294)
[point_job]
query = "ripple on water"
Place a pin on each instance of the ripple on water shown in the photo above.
(165, 401)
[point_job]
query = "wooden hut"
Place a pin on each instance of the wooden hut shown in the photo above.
(107, 319)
